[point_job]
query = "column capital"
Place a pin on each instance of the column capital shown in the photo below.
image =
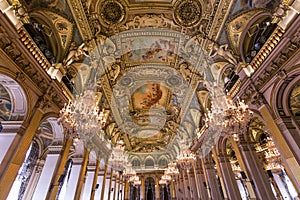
(12, 127)
(54, 149)
(77, 161)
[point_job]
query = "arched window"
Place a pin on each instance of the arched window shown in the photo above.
(135, 163)
(162, 162)
(149, 162)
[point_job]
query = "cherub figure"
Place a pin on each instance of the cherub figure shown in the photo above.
(225, 53)
(76, 53)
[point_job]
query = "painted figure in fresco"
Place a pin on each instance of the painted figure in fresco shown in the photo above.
(154, 49)
(153, 96)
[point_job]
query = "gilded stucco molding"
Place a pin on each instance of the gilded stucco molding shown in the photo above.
(267, 48)
(237, 27)
(271, 69)
(81, 20)
(23, 51)
(219, 18)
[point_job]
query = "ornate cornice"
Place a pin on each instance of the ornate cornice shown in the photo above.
(267, 48)
(31, 63)
(81, 20)
(271, 65)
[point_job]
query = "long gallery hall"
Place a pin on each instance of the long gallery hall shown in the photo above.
(149, 99)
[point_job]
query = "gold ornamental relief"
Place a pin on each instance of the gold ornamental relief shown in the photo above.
(188, 13)
(112, 12)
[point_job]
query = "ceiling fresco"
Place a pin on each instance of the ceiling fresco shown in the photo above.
(150, 62)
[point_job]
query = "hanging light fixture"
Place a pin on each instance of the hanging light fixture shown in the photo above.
(129, 171)
(67, 119)
(237, 116)
(186, 158)
(172, 169)
(118, 160)
(272, 155)
(135, 180)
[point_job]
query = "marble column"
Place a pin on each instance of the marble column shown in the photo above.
(60, 167)
(202, 184)
(110, 182)
(36, 173)
(44, 182)
(81, 178)
(119, 186)
(126, 190)
(100, 180)
(255, 170)
(211, 174)
(189, 184)
(197, 195)
(246, 184)
(122, 188)
(173, 189)
(215, 157)
(183, 185)
(103, 183)
(115, 186)
(157, 192)
(142, 187)
(74, 177)
(178, 187)
(16, 153)
(204, 191)
(284, 138)
(95, 179)
(229, 178)
(89, 185)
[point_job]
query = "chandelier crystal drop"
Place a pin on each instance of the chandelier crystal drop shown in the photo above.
(272, 156)
(129, 171)
(118, 160)
(172, 169)
(186, 158)
(237, 117)
(67, 119)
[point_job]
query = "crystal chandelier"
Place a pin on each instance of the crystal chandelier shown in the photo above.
(86, 114)
(118, 160)
(236, 169)
(129, 171)
(82, 118)
(67, 119)
(135, 180)
(162, 182)
(165, 179)
(172, 169)
(236, 118)
(272, 155)
(186, 158)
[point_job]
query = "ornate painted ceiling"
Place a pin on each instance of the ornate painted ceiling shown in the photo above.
(150, 60)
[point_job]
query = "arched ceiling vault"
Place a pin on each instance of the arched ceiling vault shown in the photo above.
(149, 60)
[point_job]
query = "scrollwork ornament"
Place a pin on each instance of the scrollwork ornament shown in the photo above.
(112, 12)
(188, 13)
